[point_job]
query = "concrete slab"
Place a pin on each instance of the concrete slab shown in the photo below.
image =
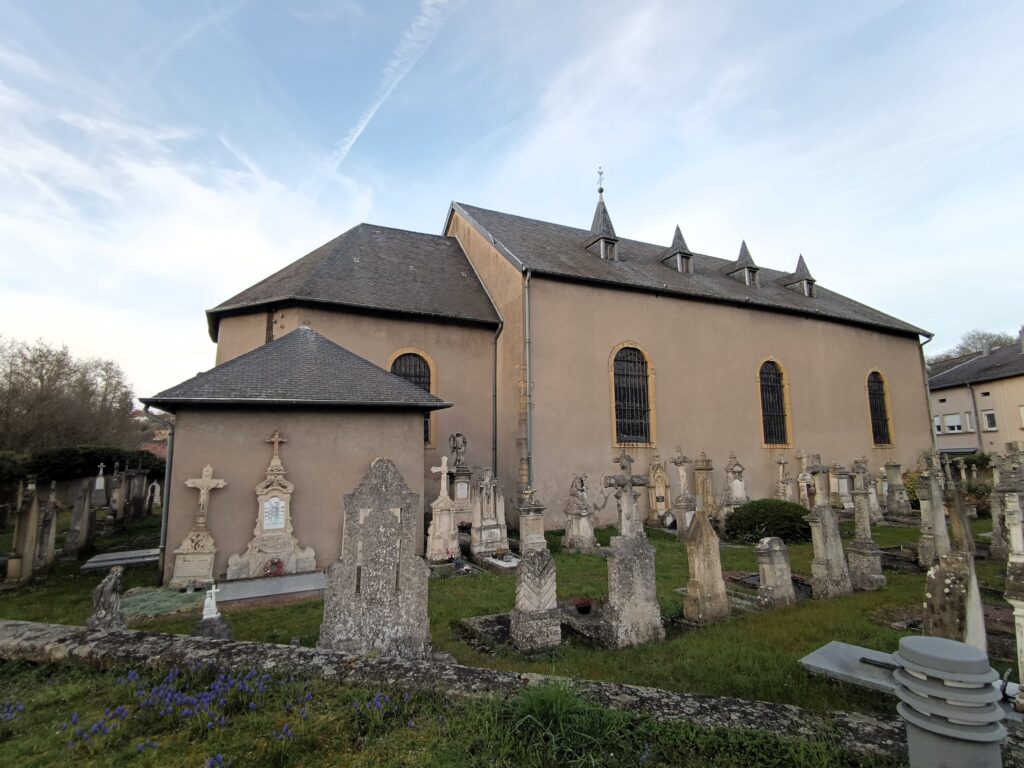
(131, 557)
(276, 586)
(842, 661)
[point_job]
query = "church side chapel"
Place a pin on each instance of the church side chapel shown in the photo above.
(529, 354)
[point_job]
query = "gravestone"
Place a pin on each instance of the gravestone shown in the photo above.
(830, 576)
(46, 541)
(926, 542)
(706, 600)
(898, 503)
(784, 484)
(704, 484)
(938, 506)
(999, 547)
(273, 550)
(106, 602)
(685, 505)
(489, 534)
(579, 519)
(462, 479)
(735, 493)
(375, 600)
(1011, 490)
(100, 497)
(26, 535)
(193, 560)
(212, 623)
(865, 558)
(658, 492)
(776, 587)
(804, 481)
(80, 533)
(536, 622)
(844, 487)
(443, 534)
(626, 495)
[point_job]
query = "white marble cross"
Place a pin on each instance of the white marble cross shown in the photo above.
(204, 485)
(210, 605)
(443, 469)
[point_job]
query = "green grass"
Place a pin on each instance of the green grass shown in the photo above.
(275, 722)
(753, 656)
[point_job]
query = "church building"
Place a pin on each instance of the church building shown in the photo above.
(551, 348)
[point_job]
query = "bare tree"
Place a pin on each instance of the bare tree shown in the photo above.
(48, 399)
(973, 341)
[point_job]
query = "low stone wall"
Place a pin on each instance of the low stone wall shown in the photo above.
(53, 643)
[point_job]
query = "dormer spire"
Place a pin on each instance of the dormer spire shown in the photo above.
(745, 259)
(678, 255)
(602, 240)
(744, 268)
(800, 280)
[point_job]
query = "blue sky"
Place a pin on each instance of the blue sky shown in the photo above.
(157, 158)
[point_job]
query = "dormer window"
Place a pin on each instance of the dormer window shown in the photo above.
(750, 277)
(684, 263)
(744, 268)
(678, 255)
(808, 288)
(602, 240)
(607, 249)
(800, 280)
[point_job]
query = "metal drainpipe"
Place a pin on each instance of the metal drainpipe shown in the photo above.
(165, 502)
(529, 386)
(494, 404)
(928, 394)
(977, 416)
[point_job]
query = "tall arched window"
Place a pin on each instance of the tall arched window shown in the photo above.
(879, 409)
(632, 404)
(773, 404)
(415, 369)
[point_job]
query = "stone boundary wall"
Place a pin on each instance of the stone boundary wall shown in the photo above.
(55, 643)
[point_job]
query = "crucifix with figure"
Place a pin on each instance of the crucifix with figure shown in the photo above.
(204, 485)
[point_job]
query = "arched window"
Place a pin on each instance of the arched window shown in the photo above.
(415, 370)
(773, 404)
(879, 409)
(632, 404)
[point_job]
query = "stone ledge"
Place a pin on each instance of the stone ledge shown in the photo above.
(54, 643)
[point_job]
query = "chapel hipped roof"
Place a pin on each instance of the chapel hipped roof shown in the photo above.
(302, 368)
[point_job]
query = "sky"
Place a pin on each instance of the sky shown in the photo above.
(158, 158)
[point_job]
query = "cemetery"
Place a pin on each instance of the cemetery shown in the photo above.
(686, 630)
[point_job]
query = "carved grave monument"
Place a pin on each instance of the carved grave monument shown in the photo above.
(536, 622)
(489, 534)
(830, 576)
(443, 534)
(579, 519)
(776, 587)
(193, 560)
(706, 599)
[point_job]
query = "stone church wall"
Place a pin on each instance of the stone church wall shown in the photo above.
(327, 453)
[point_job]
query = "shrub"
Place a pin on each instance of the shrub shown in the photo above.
(768, 517)
(978, 494)
(910, 484)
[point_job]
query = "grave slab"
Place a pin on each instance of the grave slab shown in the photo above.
(130, 557)
(277, 586)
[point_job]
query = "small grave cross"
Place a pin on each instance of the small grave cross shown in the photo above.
(443, 470)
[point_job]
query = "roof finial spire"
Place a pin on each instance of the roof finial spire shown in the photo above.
(600, 180)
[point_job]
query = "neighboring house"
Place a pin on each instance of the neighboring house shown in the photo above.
(977, 400)
(559, 346)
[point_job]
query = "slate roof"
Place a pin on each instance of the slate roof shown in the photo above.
(376, 268)
(557, 251)
(300, 368)
(1000, 363)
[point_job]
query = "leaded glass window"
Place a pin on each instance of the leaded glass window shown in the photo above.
(632, 405)
(415, 370)
(773, 405)
(879, 411)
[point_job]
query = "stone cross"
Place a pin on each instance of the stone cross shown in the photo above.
(102, 466)
(681, 462)
(443, 470)
(204, 485)
(210, 605)
(629, 522)
(276, 439)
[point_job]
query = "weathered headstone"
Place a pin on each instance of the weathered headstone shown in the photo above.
(193, 560)
(579, 519)
(106, 602)
(376, 594)
(489, 534)
(776, 587)
(898, 501)
(273, 548)
(938, 506)
(26, 535)
(624, 484)
(804, 481)
(79, 535)
(443, 534)
(100, 497)
(830, 576)
(1011, 490)
(704, 484)
(999, 547)
(685, 505)
(706, 599)
(735, 493)
(631, 614)
(462, 478)
(536, 622)
(658, 492)
(46, 541)
(926, 542)
(784, 484)
(864, 556)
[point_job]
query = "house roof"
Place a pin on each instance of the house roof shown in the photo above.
(1001, 363)
(375, 268)
(300, 368)
(557, 251)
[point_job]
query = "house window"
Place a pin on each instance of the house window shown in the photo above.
(1021, 409)
(415, 370)
(773, 404)
(879, 409)
(632, 404)
(988, 421)
(953, 422)
(968, 422)
(937, 422)
(985, 394)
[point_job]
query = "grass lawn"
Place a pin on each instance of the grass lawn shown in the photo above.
(753, 656)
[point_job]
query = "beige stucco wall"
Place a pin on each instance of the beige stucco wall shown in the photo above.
(326, 455)
(706, 359)
(1005, 397)
(240, 334)
(460, 358)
